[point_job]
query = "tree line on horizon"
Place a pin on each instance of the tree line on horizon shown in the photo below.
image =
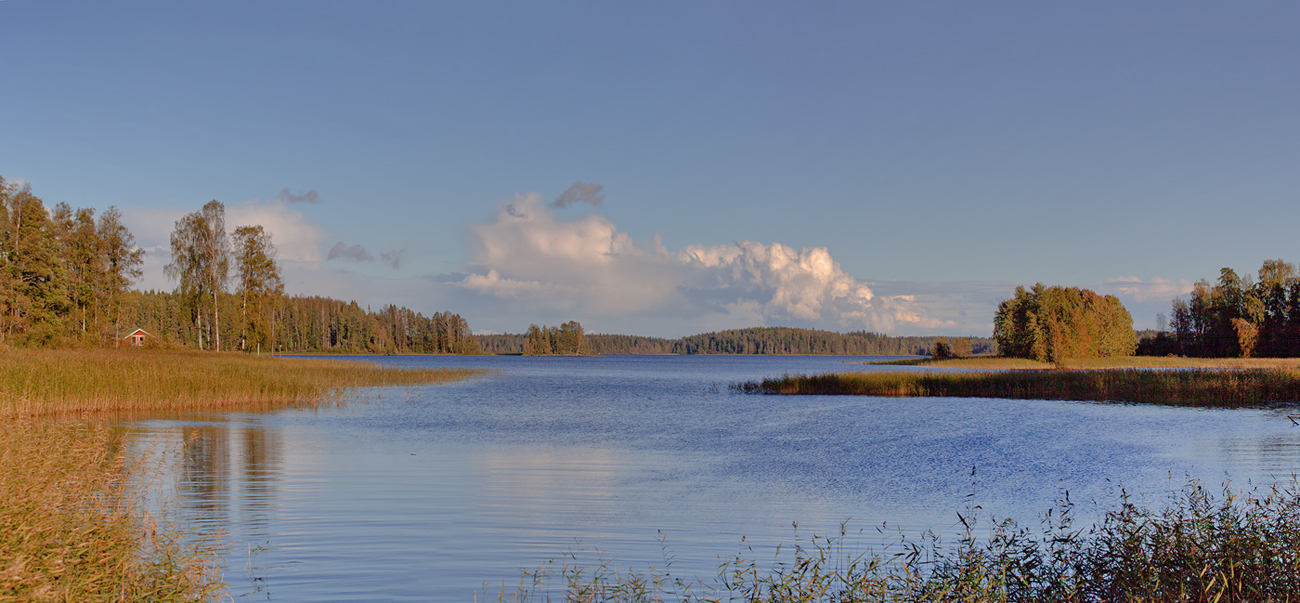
(1237, 316)
(754, 340)
(314, 324)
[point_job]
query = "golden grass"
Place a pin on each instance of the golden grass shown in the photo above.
(1208, 387)
(973, 362)
(69, 530)
(1123, 362)
(43, 382)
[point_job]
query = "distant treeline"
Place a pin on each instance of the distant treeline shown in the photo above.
(757, 340)
(312, 324)
(1236, 317)
(567, 339)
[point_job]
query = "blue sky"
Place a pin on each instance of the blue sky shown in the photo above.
(894, 167)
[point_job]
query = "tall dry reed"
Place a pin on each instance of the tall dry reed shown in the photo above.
(42, 382)
(1245, 387)
(70, 529)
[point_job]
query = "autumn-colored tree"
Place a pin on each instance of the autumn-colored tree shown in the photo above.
(1238, 317)
(121, 268)
(538, 343)
(961, 347)
(1050, 324)
(572, 339)
(260, 287)
(201, 264)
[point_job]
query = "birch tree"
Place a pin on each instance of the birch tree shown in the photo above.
(201, 264)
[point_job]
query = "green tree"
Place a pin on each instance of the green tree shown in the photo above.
(121, 267)
(940, 350)
(33, 284)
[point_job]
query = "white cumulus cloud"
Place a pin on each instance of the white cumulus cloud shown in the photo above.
(588, 267)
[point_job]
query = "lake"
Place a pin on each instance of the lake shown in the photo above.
(430, 493)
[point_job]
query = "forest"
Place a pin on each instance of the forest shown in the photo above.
(1049, 324)
(312, 324)
(1236, 316)
(64, 275)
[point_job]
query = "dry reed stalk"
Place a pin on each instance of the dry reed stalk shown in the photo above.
(70, 530)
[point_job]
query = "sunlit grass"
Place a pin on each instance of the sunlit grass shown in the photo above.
(1198, 548)
(42, 382)
(1237, 387)
(971, 362)
(70, 529)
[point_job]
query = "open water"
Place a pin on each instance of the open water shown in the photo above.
(435, 493)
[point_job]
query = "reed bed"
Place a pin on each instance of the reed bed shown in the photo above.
(1117, 362)
(43, 382)
(70, 530)
(1232, 388)
(1236, 548)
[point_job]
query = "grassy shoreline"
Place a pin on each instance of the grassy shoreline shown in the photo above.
(51, 382)
(71, 524)
(1203, 387)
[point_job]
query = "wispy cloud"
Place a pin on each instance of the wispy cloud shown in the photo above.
(287, 196)
(581, 192)
(393, 258)
(355, 253)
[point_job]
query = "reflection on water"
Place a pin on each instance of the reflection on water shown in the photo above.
(427, 493)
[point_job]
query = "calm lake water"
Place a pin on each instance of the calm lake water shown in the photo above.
(429, 493)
